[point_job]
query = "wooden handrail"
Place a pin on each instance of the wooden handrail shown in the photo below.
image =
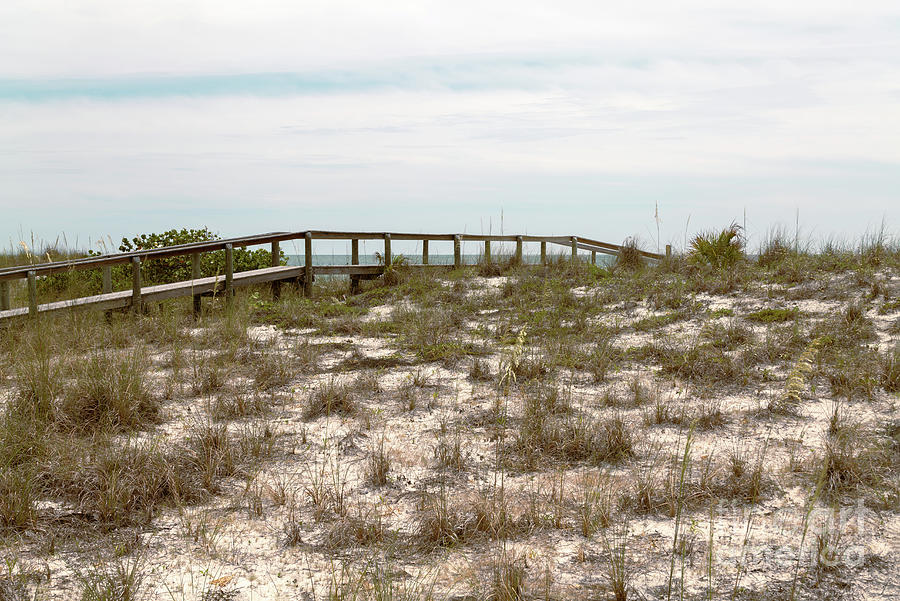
(42, 269)
(10, 273)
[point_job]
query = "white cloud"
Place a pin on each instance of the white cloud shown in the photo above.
(556, 104)
(92, 37)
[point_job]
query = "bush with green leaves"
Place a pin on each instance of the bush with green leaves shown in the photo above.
(159, 271)
(178, 268)
(718, 249)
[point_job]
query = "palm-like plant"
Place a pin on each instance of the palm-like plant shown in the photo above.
(719, 250)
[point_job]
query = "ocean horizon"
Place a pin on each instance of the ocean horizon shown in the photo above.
(433, 259)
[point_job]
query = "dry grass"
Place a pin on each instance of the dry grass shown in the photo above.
(331, 396)
(384, 445)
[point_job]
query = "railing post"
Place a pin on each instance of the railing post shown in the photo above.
(425, 252)
(487, 252)
(519, 249)
(32, 294)
(107, 279)
(387, 251)
(135, 284)
(276, 262)
(195, 275)
(543, 252)
(229, 275)
(4, 295)
(354, 260)
(668, 251)
(593, 257)
(457, 252)
(308, 266)
(574, 249)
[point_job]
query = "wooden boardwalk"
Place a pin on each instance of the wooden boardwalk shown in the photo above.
(225, 284)
(209, 286)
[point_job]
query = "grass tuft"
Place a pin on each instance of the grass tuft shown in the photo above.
(331, 396)
(507, 578)
(109, 393)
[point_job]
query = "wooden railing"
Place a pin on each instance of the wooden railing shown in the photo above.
(275, 274)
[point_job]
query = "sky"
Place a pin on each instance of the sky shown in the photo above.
(655, 119)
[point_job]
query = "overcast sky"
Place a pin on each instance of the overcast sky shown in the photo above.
(562, 117)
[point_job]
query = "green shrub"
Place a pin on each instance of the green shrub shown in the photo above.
(176, 269)
(719, 250)
(159, 271)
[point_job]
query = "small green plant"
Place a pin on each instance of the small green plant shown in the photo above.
(889, 307)
(774, 315)
(393, 273)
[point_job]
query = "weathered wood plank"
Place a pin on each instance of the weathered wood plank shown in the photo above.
(605, 251)
(308, 261)
(4, 296)
(207, 285)
(32, 294)
(135, 284)
(229, 275)
(276, 262)
(354, 260)
(616, 247)
(93, 262)
(195, 275)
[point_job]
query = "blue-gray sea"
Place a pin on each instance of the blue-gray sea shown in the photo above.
(416, 259)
